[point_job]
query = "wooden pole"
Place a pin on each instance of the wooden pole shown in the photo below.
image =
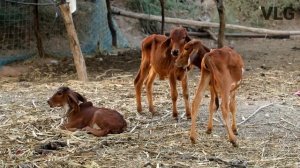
(74, 42)
(236, 35)
(36, 27)
(221, 11)
(162, 4)
(111, 25)
(200, 24)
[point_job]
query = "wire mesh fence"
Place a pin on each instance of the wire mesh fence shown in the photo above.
(17, 39)
(16, 35)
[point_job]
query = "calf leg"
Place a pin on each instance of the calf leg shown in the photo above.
(204, 81)
(232, 106)
(185, 92)
(225, 111)
(72, 125)
(149, 85)
(138, 83)
(212, 109)
(96, 132)
(174, 95)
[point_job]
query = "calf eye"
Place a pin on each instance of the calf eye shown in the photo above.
(59, 93)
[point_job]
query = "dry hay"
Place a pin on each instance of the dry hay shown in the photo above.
(270, 138)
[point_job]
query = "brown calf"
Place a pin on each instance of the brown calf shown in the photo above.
(98, 121)
(158, 58)
(221, 69)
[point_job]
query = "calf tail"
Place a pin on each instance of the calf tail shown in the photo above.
(217, 102)
(209, 66)
(137, 78)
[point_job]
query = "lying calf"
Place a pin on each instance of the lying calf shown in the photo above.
(98, 121)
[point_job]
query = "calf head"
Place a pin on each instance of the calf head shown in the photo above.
(64, 96)
(175, 42)
(193, 51)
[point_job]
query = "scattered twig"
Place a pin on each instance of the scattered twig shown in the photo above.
(292, 130)
(119, 76)
(134, 127)
(282, 119)
(262, 152)
(254, 113)
(216, 119)
(33, 103)
(163, 117)
(105, 72)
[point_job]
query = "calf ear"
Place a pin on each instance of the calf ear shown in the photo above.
(166, 44)
(73, 97)
(187, 38)
(73, 101)
(80, 97)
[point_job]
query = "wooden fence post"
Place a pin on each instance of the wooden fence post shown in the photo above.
(111, 25)
(74, 42)
(162, 5)
(36, 27)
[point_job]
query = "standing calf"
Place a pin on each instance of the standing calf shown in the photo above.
(158, 58)
(222, 69)
(98, 121)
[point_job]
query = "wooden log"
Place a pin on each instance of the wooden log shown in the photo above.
(236, 35)
(201, 24)
(74, 42)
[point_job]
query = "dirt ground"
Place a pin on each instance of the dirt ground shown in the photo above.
(270, 138)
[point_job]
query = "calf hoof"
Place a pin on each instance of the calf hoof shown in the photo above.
(175, 115)
(193, 140)
(154, 113)
(188, 116)
(235, 132)
(139, 109)
(208, 131)
(152, 110)
(234, 144)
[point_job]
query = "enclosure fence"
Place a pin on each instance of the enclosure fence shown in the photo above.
(17, 39)
(16, 35)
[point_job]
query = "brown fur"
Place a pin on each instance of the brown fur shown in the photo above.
(193, 51)
(98, 121)
(222, 70)
(158, 58)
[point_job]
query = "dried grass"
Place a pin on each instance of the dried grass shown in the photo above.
(269, 138)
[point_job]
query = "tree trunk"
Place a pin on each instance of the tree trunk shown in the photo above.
(162, 4)
(200, 24)
(74, 42)
(36, 27)
(221, 11)
(111, 25)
